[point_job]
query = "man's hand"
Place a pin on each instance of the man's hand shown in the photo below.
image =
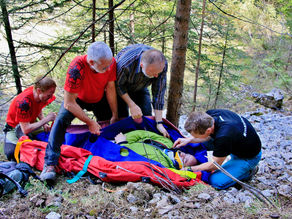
(181, 142)
(162, 130)
(47, 127)
(114, 119)
(120, 138)
(136, 112)
(94, 128)
(51, 116)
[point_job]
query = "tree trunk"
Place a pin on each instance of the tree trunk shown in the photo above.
(93, 20)
(111, 27)
(179, 48)
(104, 28)
(15, 71)
(163, 40)
(199, 55)
(221, 69)
(132, 27)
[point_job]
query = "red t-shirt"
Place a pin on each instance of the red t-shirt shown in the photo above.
(87, 83)
(24, 108)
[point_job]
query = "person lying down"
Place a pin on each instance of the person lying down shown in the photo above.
(156, 147)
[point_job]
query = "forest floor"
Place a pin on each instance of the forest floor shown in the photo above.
(139, 200)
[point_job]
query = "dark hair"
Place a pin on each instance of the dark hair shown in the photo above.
(44, 84)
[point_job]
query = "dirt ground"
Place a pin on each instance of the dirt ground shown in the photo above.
(132, 200)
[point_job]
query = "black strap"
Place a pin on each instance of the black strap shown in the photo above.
(7, 128)
(21, 190)
(24, 167)
(155, 144)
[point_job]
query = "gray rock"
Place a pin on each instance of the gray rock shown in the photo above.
(53, 215)
(163, 202)
(156, 198)
(132, 199)
(192, 205)
(134, 209)
(174, 199)
(204, 196)
(165, 209)
(273, 99)
(285, 190)
(242, 197)
(268, 192)
(247, 203)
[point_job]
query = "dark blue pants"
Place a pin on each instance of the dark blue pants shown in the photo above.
(101, 110)
(141, 98)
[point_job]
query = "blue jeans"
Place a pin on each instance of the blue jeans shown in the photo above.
(238, 167)
(141, 98)
(101, 110)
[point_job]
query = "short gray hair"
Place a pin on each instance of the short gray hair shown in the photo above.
(99, 50)
(152, 56)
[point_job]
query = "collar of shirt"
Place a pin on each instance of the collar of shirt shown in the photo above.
(138, 68)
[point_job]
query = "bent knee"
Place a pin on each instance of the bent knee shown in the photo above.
(9, 151)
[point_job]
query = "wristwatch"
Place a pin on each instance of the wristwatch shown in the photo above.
(190, 169)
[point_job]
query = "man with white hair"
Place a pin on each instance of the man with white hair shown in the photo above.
(139, 66)
(90, 85)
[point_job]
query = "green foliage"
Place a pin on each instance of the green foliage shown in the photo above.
(253, 52)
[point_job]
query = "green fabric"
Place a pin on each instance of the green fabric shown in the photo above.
(11, 137)
(135, 142)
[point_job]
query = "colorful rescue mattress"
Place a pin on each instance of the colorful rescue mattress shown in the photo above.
(104, 158)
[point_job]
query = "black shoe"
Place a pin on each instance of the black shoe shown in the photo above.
(253, 172)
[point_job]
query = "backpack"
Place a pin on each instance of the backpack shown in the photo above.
(14, 175)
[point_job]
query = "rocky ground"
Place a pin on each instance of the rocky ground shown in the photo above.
(139, 200)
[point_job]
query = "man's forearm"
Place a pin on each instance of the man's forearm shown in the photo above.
(41, 115)
(158, 115)
(27, 127)
(198, 140)
(111, 96)
(208, 166)
(77, 111)
(128, 100)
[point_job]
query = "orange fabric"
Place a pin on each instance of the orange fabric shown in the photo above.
(72, 159)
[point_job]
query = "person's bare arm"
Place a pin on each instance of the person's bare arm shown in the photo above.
(135, 110)
(71, 105)
(160, 127)
(184, 141)
(111, 96)
(27, 127)
(208, 166)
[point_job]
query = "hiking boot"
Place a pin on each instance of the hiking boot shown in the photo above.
(48, 173)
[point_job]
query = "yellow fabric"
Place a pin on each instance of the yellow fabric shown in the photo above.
(17, 149)
(178, 159)
(184, 173)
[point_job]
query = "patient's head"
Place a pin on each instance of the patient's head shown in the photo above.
(187, 159)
